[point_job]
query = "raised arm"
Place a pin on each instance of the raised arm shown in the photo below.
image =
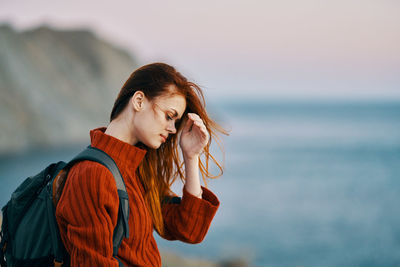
(190, 219)
(194, 138)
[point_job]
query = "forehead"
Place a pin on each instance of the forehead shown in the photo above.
(172, 101)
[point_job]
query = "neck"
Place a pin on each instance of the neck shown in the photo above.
(121, 129)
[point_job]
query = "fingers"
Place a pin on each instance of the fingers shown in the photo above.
(188, 125)
(198, 122)
(195, 117)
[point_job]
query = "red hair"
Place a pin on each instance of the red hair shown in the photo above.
(160, 167)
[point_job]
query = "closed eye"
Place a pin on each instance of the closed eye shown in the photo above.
(169, 117)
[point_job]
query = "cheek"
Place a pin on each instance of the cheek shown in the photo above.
(148, 127)
(141, 129)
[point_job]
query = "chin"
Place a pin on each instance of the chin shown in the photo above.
(158, 146)
(153, 145)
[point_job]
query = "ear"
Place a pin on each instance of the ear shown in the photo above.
(137, 100)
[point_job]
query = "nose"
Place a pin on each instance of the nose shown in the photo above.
(171, 127)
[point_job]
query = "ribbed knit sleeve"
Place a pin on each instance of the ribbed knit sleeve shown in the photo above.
(190, 220)
(87, 214)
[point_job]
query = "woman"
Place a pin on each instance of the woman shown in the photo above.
(154, 105)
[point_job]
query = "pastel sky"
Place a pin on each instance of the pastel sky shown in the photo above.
(271, 49)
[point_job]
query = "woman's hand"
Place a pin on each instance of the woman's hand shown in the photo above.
(194, 137)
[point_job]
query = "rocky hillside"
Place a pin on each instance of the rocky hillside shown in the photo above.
(56, 85)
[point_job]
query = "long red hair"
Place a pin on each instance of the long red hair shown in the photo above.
(161, 167)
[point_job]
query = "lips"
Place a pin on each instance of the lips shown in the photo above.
(163, 137)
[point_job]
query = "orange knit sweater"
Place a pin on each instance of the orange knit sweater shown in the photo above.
(88, 208)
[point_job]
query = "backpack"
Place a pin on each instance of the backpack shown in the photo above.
(29, 231)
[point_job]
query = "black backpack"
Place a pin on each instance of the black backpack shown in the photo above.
(29, 231)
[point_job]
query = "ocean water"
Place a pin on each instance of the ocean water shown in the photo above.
(304, 184)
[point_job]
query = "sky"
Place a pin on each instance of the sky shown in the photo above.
(281, 49)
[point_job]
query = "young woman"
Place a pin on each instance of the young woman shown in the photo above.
(154, 105)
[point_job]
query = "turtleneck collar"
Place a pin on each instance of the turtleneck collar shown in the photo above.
(122, 152)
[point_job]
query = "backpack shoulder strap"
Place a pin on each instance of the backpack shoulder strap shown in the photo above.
(97, 155)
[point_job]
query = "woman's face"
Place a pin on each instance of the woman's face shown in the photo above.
(153, 126)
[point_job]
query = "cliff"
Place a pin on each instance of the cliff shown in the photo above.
(55, 85)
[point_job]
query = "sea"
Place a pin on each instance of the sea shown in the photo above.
(304, 183)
